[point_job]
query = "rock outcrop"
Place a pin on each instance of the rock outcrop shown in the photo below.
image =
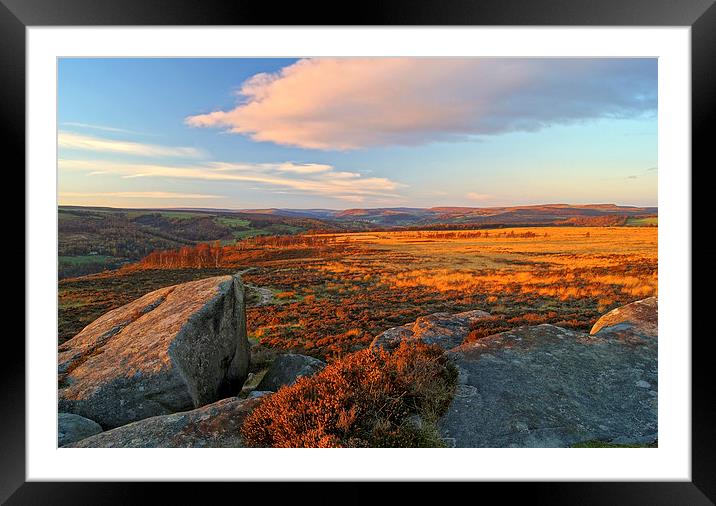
(171, 350)
(216, 425)
(286, 369)
(443, 329)
(639, 319)
(71, 428)
(546, 386)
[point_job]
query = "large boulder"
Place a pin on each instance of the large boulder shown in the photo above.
(71, 428)
(286, 369)
(443, 329)
(546, 386)
(636, 321)
(216, 425)
(173, 349)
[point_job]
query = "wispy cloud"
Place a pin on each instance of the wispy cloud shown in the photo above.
(101, 127)
(289, 167)
(349, 103)
(141, 195)
(312, 179)
(648, 172)
(71, 140)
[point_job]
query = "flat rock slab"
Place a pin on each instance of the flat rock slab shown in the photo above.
(173, 349)
(443, 329)
(545, 386)
(286, 369)
(71, 428)
(216, 425)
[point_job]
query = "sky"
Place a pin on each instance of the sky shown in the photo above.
(338, 133)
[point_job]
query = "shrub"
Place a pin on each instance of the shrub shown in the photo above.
(366, 399)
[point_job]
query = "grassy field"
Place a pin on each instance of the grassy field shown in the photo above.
(332, 293)
(79, 265)
(566, 263)
(651, 221)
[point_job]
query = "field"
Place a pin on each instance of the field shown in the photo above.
(649, 221)
(329, 294)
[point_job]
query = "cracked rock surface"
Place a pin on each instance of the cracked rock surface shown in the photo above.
(174, 349)
(546, 386)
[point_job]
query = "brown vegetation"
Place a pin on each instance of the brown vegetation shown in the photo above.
(335, 292)
(611, 220)
(365, 399)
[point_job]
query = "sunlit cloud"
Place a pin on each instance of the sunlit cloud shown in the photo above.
(70, 140)
(305, 178)
(350, 103)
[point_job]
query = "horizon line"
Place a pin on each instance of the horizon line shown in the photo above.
(181, 208)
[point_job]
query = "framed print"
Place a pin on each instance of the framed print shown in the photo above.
(429, 243)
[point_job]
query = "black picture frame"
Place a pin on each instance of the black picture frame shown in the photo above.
(700, 15)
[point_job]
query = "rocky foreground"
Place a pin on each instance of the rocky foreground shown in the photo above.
(173, 349)
(166, 369)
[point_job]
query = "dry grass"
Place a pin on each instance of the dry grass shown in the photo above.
(335, 292)
(560, 262)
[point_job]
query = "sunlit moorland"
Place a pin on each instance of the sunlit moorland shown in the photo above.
(328, 294)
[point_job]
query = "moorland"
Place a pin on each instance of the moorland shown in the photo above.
(329, 287)
(95, 239)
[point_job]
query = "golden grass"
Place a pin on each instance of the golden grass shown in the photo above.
(561, 262)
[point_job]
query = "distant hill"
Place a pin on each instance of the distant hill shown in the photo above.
(413, 216)
(92, 239)
(547, 214)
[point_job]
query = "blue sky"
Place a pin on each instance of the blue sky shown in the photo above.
(341, 133)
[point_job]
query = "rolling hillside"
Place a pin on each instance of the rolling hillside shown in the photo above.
(93, 239)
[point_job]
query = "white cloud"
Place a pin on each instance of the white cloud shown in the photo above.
(302, 168)
(306, 178)
(349, 103)
(70, 140)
